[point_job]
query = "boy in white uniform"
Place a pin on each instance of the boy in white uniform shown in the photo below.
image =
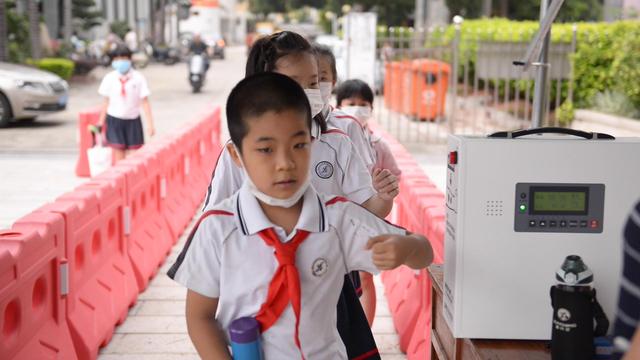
(277, 250)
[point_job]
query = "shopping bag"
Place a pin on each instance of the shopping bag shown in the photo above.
(99, 155)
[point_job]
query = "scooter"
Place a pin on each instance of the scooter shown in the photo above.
(197, 72)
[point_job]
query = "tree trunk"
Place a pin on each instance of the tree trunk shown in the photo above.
(67, 11)
(34, 29)
(486, 8)
(4, 40)
(162, 15)
(504, 8)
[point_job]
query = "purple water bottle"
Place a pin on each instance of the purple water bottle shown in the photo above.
(244, 334)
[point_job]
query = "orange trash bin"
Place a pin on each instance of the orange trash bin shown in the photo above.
(407, 102)
(430, 85)
(396, 85)
(387, 84)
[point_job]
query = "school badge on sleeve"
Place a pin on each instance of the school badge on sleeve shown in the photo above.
(324, 169)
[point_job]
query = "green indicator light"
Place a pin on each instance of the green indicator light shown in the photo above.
(523, 208)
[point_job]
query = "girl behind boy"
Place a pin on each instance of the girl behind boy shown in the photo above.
(336, 168)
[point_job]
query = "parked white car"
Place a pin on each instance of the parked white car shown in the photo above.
(26, 92)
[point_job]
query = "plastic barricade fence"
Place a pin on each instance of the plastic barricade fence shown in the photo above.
(176, 204)
(33, 290)
(194, 164)
(420, 207)
(102, 284)
(148, 237)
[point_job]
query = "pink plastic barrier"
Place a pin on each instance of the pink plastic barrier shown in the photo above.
(420, 207)
(71, 269)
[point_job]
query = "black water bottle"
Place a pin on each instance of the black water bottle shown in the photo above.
(575, 312)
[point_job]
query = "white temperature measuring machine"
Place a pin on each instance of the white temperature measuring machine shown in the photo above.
(516, 207)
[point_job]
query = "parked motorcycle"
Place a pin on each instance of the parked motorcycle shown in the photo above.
(197, 72)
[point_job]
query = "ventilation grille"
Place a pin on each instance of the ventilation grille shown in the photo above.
(494, 208)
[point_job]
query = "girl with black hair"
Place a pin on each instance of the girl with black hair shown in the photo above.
(336, 168)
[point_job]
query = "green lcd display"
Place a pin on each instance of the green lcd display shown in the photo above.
(559, 202)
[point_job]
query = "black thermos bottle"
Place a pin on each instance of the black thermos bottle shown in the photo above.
(575, 311)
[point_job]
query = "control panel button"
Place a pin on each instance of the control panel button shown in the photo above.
(553, 223)
(543, 223)
(583, 223)
(523, 195)
(563, 223)
(532, 223)
(573, 223)
(593, 224)
(523, 208)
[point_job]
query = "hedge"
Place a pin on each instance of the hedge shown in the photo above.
(607, 56)
(58, 66)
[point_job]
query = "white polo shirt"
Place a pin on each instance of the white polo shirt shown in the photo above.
(338, 119)
(227, 259)
(335, 169)
(136, 89)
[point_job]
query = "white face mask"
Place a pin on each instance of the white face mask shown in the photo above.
(270, 200)
(315, 100)
(361, 113)
(325, 90)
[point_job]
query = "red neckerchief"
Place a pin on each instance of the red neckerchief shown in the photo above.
(285, 284)
(123, 82)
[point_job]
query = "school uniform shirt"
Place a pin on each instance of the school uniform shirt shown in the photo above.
(383, 156)
(338, 119)
(227, 259)
(335, 169)
(125, 93)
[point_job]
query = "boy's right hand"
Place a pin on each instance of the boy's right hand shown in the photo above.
(389, 251)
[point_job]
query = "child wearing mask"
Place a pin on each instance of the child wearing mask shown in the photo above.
(355, 98)
(277, 250)
(126, 93)
(336, 168)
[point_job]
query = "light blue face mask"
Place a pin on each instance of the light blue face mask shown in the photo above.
(121, 66)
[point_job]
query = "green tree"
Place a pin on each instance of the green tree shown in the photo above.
(267, 6)
(571, 11)
(34, 29)
(470, 9)
(17, 34)
(84, 11)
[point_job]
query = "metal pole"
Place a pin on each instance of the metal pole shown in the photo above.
(540, 93)
(454, 73)
(67, 13)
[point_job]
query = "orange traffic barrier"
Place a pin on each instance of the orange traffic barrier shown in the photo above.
(33, 290)
(101, 280)
(148, 237)
(410, 295)
(420, 344)
(177, 205)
